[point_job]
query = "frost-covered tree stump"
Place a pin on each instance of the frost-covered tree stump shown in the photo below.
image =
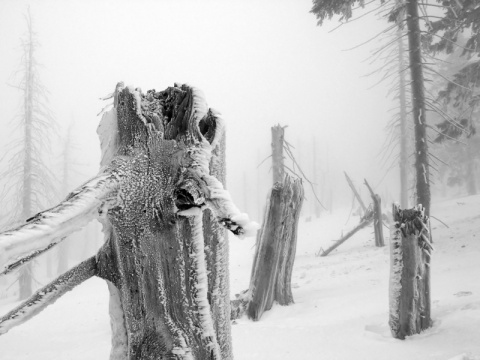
(164, 211)
(275, 252)
(410, 272)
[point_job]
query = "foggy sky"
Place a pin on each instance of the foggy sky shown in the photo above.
(258, 62)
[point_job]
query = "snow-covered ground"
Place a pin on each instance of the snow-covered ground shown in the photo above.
(341, 301)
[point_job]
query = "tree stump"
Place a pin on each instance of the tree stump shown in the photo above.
(275, 252)
(409, 272)
(160, 198)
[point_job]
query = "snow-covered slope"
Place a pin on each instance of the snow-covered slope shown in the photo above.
(341, 301)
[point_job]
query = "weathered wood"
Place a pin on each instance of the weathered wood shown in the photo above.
(355, 192)
(276, 245)
(278, 135)
(164, 209)
(367, 220)
(409, 272)
(377, 217)
(166, 258)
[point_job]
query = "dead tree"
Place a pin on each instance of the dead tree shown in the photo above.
(278, 136)
(410, 252)
(377, 216)
(275, 252)
(160, 197)
(356, 194)
(364, 222)
(276, 241)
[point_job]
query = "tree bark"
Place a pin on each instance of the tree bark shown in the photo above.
(377, 217)
(166, 259)
(275, 252)
(403, 124)
(278, 134)
(409, 273)
(418, 107)
(355, 192)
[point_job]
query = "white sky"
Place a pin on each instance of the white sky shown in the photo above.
(258, 62)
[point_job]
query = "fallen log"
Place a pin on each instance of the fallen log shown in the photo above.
(367, 220)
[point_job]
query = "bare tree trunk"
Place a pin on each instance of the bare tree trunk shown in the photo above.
(377, 217)
(63, 252)
(403, 124)
(409, 273)
(178, 299)
(276, 246)
(418, 107)
(25, 277)
(278, 134)
(315, 178)
(355, 192)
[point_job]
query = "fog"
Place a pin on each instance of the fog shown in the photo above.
(259, 63)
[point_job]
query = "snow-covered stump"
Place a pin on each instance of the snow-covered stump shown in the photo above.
(168, 258)
(160, 198)
(410, 252)
(275, 252)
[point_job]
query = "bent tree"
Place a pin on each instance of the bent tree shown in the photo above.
(164, 210)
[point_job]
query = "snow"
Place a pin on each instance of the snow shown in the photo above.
(44, 228)
(341, 301)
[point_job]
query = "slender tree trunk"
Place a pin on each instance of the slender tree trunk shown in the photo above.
(410, 252)
(357, 195)
(418, 107)
(315, 177)
(278, 134)
(403, 124)
(377, 217)
(25, 279)
(63, 252)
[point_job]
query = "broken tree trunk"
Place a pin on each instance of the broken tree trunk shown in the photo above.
(161, 201)
(355, 192)
(410, 254)
(377, 217)
(275, 252)
(366, 220)
(278, 135)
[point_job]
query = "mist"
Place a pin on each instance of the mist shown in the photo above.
(259, 63)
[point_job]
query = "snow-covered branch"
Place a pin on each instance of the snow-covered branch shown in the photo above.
(48, 295)
(40, 231)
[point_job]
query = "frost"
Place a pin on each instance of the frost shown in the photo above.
(396, 269)
(201, 286)
(117, 324)
(108, 134)
(48, 295)
(69, 216)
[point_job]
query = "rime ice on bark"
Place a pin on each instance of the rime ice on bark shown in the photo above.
(410, 272)
(396, 268)
(167, 270)
(80, 207)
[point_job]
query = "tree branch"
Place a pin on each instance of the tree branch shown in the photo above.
(48, 295)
